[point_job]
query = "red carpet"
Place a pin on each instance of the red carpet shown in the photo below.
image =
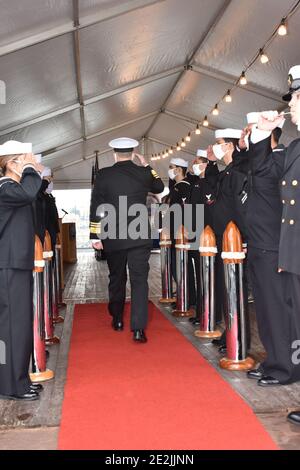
(160, 395)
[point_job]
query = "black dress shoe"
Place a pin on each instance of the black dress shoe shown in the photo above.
(268, 381)
(139, 336)
(255, 373)
(294, 417)
(117, 325)
(31, 395)
(195, 321)
(37, 387)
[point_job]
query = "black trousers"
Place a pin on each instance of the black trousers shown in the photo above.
(16, 330)
(194, 280)
(277, 305)
(137, 260)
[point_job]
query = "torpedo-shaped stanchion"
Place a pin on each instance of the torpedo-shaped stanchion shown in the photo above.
(48, 297)
(182, 250)
(58, 267)
(166, 275)
(236, 325)
(39, 371)
(208, 251)
(56, 279)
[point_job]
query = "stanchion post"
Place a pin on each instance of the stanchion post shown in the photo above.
(48, 304)
(166, 275)
(182, 251)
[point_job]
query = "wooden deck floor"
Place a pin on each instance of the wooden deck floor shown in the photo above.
(86, 282)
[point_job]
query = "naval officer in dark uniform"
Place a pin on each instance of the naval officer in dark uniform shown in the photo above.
(132, 183)
(289, 244)
(263, 220)
(19, 185)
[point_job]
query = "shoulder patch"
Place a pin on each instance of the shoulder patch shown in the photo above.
(153, 172)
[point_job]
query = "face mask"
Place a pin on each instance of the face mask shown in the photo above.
(50, 188)
(172, 174)
(218, 151)
(198, 169)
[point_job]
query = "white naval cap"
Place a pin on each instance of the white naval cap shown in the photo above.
(12, 147)
(294, 82)
(228, 134)
(123, 144)
(201, 153)
(179, 162)
(252, 118)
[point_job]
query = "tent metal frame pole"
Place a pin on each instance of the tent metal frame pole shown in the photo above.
(97, 134)
(188, 119)
(189, 64)
(68, 27)
(94, 99)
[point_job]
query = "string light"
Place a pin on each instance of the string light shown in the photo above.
(205, 122)
(178, 148)
(183, 144)
(216, 111)
(171, 151)
(198, 130)
(243, 79)
(282, 30)
(228, 97)
(263, 57)
(188, 137)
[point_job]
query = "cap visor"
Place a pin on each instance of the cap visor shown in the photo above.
(287, 97)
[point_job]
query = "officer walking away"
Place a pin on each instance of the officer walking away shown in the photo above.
(134, 182)
(19, 185)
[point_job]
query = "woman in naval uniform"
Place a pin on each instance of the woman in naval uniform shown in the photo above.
(19, 185)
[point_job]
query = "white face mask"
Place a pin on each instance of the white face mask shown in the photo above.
(198, 169)
(218, 151)
(50, 188)
(172, 174)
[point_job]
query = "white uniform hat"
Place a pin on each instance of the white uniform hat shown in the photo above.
(123, 144)
(201, 153)
(12, 147)
(179, 162)
(228, 134)
(252, 118)
(294, 82)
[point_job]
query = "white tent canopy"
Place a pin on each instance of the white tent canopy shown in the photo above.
(80, 73)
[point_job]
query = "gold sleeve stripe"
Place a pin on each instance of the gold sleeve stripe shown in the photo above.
(154, 174)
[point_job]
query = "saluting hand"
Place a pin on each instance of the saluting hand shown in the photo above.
(141, 159)
(210, 154)
(269, 120)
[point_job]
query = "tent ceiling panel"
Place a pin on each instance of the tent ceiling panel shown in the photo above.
(21, 19)
(50, 133)
(168, 129)
(38, 80)
(241, 32)
(126, 106)
(142, 43)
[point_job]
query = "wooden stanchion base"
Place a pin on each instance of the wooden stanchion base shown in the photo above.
(180, 314)
(51, 341)
(208, 334)
(58, 319)
(229, 364)
(167, 301)
(37, 377)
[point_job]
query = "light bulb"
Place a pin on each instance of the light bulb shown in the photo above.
(178, 148)
(198, 130)
(188, 137)
(263, 57)
(183, 144)
(282, 30)
(243, 79)
(205, 122)
(216, 111)
(171, 151)
(228, 97)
